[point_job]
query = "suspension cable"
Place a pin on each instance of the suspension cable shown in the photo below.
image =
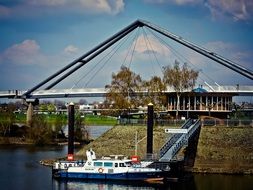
(180, 56)
(153, 52)
(113, 52)
(135, 42)
(96, 65)
(128, 51)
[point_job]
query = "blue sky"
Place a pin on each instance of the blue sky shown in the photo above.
(38, 37)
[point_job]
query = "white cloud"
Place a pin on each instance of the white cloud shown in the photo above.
(218, 46)
(103, 6)
(184, 2)
(215, 71)
(150, 44)
(238, 9)
(26, 52)
(30, 65)
(36, 7)
(97, 5)
(29, 52)
(178, 2)
(70, 49)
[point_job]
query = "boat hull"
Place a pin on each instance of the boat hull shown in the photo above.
(143, 176)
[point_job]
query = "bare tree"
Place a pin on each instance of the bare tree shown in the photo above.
(180, 79)
(155, 92)
(122, 90)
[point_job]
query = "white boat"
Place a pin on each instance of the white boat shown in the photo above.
(114, 167)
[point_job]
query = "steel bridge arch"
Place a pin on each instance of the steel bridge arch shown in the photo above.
(84, 59)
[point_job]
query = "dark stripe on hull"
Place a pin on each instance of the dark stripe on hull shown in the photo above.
(115, 176)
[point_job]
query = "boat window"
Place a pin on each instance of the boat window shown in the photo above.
(108, 164)
(122, 165)
(116, 165)
(98, 163)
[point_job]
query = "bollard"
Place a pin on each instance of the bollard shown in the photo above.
(71, 123)
(150, 123)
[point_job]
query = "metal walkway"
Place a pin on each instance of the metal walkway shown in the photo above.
(177, 141)
(100, 92)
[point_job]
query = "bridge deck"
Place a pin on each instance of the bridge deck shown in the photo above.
(101, 92)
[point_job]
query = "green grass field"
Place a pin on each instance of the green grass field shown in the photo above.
(62, 118)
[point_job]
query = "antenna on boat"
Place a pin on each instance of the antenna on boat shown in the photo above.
(137, 142)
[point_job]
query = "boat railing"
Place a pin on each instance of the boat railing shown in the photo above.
(118, 157)
(67, 164)
(151, 157)
(160, 165)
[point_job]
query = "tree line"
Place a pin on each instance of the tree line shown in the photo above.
(122, 92)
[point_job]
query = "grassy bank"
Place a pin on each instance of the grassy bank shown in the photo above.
(220, 149)
(121, 140)
(100, 120)
(15, 141)
(62, 118)
(225, 150)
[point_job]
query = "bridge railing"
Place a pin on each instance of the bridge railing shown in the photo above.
(174, 138)
(175, 143)
(157, 122)
(227, 122)
(13, 93)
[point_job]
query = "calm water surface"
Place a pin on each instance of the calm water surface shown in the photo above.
(94, 131)
(20, 169)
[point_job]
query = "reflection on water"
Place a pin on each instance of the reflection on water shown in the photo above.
(231, 182)
(20, 169)
(102, 185)
(190, 182)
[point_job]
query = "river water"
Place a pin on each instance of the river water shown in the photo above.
(94, 131)
(20, 169)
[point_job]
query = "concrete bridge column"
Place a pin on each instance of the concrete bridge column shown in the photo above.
(29, 114)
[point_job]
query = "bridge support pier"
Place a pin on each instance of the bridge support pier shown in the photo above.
(191, 151)
(29, 113)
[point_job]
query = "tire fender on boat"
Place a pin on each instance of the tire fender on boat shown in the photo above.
(100, 170)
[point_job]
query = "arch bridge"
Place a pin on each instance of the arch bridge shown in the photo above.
(45, 88)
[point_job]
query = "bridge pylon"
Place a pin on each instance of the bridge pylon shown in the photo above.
(29, 114)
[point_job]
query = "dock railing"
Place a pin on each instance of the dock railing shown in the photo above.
(177, 141)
